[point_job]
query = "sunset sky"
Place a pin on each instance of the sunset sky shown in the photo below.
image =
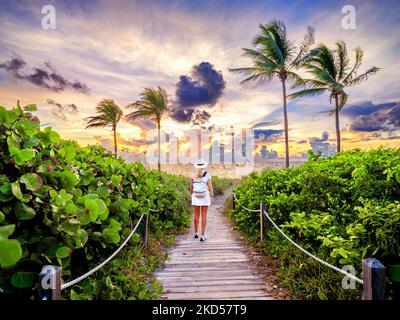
(113, 49)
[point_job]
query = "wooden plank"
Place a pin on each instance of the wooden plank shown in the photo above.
(200, 289)
(196, 260)
(168, 283)
(220, 278)
(199, 273)
(215, 269)
(216, 295)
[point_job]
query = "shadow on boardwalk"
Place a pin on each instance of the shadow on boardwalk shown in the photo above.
(215, 269)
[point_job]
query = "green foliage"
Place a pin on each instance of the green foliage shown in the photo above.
(221, 185)
(71, 206)
(343, 209)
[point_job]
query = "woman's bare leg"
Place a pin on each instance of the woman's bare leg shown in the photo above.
(196, 218)
(203, 219)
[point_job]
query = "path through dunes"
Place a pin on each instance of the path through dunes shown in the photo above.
(215, 269)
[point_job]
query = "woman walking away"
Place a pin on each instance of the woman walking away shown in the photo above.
(201, 191)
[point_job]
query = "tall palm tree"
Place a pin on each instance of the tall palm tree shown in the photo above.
(108, 115)
(332, 73)
(275, 56)
(152, 104)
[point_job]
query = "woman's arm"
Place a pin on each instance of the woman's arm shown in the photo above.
(191, 186)
(210, 187)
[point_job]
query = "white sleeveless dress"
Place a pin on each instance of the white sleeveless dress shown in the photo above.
(204, 201)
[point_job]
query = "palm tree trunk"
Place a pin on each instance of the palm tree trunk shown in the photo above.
(115, 141)
(338, 140)
(285, 118)
(159, 145)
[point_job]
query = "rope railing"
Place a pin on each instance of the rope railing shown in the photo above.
(250, 210)
(299, 247)
(87, 274)
(52, 290)
(311, 255)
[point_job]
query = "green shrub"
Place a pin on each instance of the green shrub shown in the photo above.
(343, 209)
(221, 185)
(71, 206)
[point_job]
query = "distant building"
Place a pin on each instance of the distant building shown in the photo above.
(322, 145)
(265, 154)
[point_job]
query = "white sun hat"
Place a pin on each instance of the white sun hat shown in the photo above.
(200, 164)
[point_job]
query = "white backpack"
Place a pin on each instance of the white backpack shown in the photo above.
(200, 186)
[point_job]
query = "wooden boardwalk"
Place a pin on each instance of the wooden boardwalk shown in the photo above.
(215, 269)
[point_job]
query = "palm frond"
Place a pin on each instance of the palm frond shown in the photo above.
(306, 93)
(323, 58)
(342, 60)
(152, 104)
(320, 74)
(302, 55)
(268, 45)
(343, 97)
(108, 114)
(255, 74)
(357, 64)
(362, 77)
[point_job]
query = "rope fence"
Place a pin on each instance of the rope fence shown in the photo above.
(373, 271)
(250, 210)
(87, 274)
(50, 283)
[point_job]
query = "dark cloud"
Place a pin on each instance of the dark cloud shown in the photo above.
(62, 110)
(203, 87)
(182, 115)
(267, 135)
(201, 117)
(366, 108)
(302, 141)
(384, 119)
(46, 77)
(266, 124)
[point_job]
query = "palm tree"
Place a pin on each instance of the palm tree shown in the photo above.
(152, 104)
(108, 114)
(275, 55)
(332, 73)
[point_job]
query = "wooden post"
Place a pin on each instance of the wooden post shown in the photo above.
(265, 221)
(49, 283)
(146, 231)
(262, 221)
(233, 202)
(374, 277)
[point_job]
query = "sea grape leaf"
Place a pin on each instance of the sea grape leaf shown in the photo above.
(68, 179)
(28, 127)
(16, 190)
(24, 212)
(24, 279)
(31, 142)
(63, 252)
(102, 209)
(30, 107)
(32, 181)
(22, 155)
(13, 141)
(10, 252)
(81, 237)
(6, 231)
(5, 192)
(70, 153)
